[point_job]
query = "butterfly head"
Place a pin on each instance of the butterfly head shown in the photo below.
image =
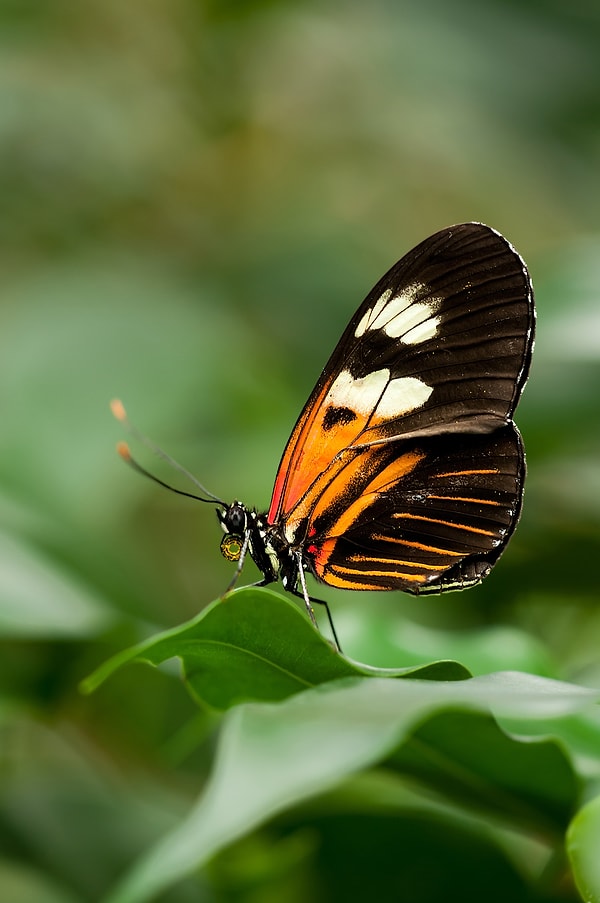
(246, 531)
(233, 518)
(234, 522)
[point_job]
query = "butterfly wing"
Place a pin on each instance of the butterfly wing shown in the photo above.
(432, 514)
(430, 368)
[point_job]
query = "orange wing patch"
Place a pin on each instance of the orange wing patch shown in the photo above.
(362, 469)
(347, 413)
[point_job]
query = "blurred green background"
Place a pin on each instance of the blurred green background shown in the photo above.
(196, 196)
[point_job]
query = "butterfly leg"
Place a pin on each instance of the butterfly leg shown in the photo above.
(245, 548)
(240, 562)
(303, 594)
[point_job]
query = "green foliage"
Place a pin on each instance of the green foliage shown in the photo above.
(582, 845)
(196, 196)
(326, 727)
(256, 646)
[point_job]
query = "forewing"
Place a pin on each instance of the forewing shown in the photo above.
(442, 344)
(428, 515)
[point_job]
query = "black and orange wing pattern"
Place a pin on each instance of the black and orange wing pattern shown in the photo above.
(405, 469)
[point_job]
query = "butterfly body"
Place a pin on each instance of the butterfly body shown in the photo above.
(405, 469)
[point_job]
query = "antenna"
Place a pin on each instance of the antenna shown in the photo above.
(124, 452)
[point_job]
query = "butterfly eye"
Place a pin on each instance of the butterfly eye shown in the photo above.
(231, 547)
(235, 519)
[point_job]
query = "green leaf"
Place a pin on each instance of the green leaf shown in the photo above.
(273, 756)
(467, 757)
(256, 645)
(354, 855)
(382, 637)
(583, 844)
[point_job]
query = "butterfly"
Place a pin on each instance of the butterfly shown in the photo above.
(405, 470)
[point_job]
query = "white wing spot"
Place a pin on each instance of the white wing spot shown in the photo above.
(422, 332)
(360, 395)
(372, 313)
(396, 305)
(398, 315)
(405, 394)
(416, 315)
(376, 394)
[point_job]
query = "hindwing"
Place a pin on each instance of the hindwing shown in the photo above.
(421, 516)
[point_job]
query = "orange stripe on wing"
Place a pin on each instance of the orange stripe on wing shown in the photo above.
(446, 523)
(340, 583)
(398, 468)
(390, 474)
(311, 449)
(463, 473)
(459, 498)
(399, 575)
(399, 561)
(292, 458)
(423, 547)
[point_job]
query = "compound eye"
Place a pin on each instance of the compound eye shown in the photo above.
(236, 518)
(231, 547)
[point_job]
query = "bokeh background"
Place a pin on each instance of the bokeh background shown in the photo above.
(195, 198)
